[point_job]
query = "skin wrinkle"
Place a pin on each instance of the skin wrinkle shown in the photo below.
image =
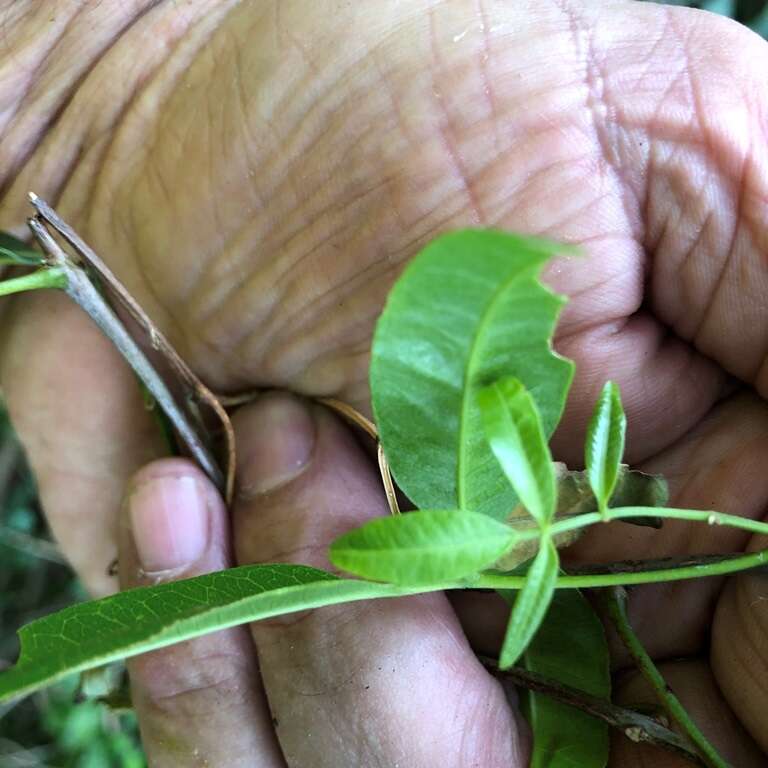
(733, 172)
(603, 116)
(189, 52)
(53, 144)
(287, 274)
(740, 670)
(177, 688)
(57, 110)
(717, 287)
(485, 57)
(445, 131)
(33, 75)
(290, 268)
(755, 640)
(670, 236)
(160, 91)
(688, 262)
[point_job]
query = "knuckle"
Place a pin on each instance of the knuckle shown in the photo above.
(189, 685)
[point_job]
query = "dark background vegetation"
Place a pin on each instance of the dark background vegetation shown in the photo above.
(60, 727)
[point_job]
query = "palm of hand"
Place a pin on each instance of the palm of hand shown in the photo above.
(262, 193)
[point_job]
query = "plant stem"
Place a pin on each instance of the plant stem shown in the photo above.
(48, 277)
(624, 513)
(615, 601)
(634, 725)
(495, 580)
(653, 564)
(81, 290)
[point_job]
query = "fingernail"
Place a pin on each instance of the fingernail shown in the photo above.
(169, 520)
(276, 443)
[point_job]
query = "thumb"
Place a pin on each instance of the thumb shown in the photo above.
(342, 680)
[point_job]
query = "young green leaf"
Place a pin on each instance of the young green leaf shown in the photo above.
(569, 647)
(468, 310)
(604, 445)
(422, 547)
(531, 604)
(15, 251)
(514, 431)
(90, 634)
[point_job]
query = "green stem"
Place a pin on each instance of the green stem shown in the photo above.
(491, 580)
(48, 277)
(624, 513)
(616, 603)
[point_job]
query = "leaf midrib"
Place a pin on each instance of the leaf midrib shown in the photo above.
(467, 393)
(421, 550)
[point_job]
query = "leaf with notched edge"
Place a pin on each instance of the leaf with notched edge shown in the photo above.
(468, 310)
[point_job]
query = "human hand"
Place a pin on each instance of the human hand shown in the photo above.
(259, 194)
(389, 682)
(385, 682)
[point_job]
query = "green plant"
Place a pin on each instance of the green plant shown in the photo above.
(466, 391)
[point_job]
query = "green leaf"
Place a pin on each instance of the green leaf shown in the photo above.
(531, 603)
(15, 251)
(468, 310)
(604, 445)
(569, 647)
(422, 547)
(514, 431)
(91, 634)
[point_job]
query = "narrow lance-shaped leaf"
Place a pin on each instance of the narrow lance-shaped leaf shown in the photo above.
(467, 310)
(514, 431)
(95, 633)
(422, 547)
(569, 647)
(531, 604)
(604, 445)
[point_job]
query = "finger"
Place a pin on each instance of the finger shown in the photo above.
(719, 465)
(693, 683)
(199, 702)
(739, 654)
(79, 413)
(343, 681)
(685, 146)
(484, 619)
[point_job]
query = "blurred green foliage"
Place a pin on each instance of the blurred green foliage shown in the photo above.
(753, 13)
(56, 729)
